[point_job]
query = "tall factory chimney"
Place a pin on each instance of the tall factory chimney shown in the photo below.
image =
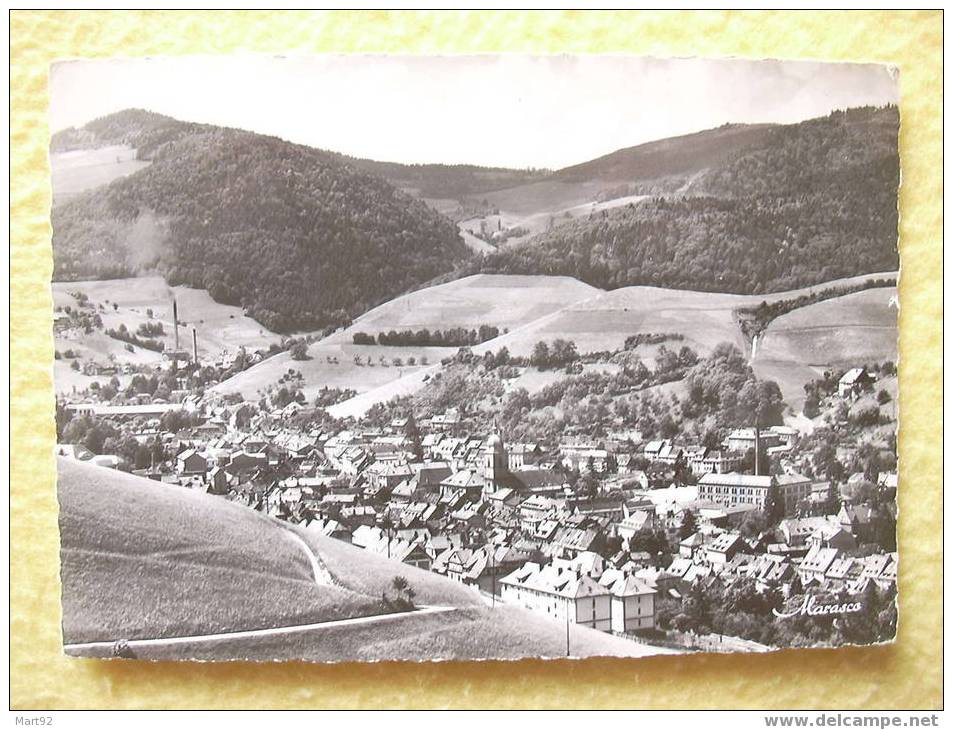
(175, 322)
(195, 347)
(757, 450)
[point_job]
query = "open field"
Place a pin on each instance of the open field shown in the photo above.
(545, 196)
(533, 308)
(535, 219)
(604, 320)
(840, 332)
(141, 559)
(79, 170)
(318, 372)
(534, 380)
(495, 299)
(501, 301)
(704, 319)
(506, 632)
(219, 327)
(67, 381)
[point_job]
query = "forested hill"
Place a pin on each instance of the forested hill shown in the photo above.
(448, 181)
(671, 157)
(146, 131)
(806, 203)
(289, 232)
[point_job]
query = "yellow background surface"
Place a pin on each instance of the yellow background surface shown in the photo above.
(904, 675)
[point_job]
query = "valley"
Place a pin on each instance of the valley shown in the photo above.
(381, 411)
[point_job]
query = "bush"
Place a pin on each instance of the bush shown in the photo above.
(299, 350)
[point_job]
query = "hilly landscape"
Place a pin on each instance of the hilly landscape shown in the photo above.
(173, 573)
(290, 239)
(778, 208)
(297, 239)
(316, 407)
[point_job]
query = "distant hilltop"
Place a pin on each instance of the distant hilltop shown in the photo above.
(305, 239)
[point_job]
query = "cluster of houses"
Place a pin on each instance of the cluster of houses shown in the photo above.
(505, 518)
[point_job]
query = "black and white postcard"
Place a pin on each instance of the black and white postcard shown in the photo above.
(375, 357)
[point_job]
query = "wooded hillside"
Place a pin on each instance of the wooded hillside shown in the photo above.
(298, 239)
(804, 204)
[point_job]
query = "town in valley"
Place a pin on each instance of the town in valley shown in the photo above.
(314, 405)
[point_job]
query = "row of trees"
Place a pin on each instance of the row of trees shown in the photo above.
(453, 337)
(556, 355)
(124, 335)
(650, 338)
(754, 320)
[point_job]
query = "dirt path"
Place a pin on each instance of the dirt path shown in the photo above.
(322, 576)
(104, 648)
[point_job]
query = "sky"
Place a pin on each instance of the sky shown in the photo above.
(508, 111)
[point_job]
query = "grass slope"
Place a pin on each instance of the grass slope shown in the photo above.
(145, 560)
(78, 170)
(840, 332)
(604, 320)
(218, 326)
(504, 632)
(704, 319)
(140, 559)
(502, 301)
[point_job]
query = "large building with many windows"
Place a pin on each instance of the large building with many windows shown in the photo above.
(734, 489)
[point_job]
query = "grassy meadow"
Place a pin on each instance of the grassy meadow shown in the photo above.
(141, 559)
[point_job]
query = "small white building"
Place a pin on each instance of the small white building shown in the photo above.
(632, 601)
(853, 382)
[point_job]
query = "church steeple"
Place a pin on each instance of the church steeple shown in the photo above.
(494, 461)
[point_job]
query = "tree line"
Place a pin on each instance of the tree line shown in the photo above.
(453, 337)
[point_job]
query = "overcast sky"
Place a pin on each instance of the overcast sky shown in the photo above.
(510, 111)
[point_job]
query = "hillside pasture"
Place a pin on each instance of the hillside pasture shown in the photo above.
(534, 380)
(67, 381)
(842, 332)
(145, 560)
(604, 322)
(79, 170)
(142, 559)
(501, 301)
(545, 196)
(219, 327)
(504, 632)
(342, 372)
(536, 221)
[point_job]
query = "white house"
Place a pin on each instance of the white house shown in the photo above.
(560, 593)
(853, 382)
(632, 601)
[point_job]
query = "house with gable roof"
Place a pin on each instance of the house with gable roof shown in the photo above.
(559, 593)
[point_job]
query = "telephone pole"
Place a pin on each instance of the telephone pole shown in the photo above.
(492, 578)
(567, 628)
